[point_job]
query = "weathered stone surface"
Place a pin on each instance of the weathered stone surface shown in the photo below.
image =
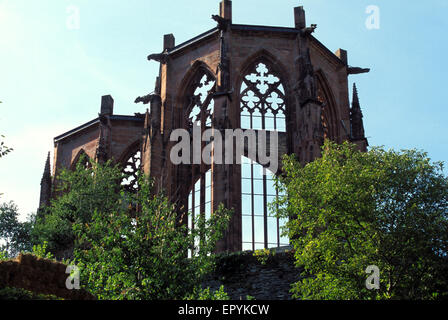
(39, 276)
(315, 82)
(243, 275)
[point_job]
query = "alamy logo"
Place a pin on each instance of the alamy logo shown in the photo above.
(72, 281)
(190, 150)
(373, 20)
(373, 281)
(73, 21)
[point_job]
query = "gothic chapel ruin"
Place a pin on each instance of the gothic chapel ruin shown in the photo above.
(232, 76)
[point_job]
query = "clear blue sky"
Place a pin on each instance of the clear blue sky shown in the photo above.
(52, 77)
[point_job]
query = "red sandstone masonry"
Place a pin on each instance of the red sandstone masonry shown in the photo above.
(282, 48)
(39, 275)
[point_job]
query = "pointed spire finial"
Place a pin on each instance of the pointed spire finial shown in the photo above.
(355, 100)
(47, 168)
(356, 122)
(45, 185)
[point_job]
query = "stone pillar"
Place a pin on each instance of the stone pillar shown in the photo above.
(107, 105)
(309, 138)
(102, 153)
(225, 9)
(342, 55)
(169, 42)
(309, 135)
(224, 180)
(225, 177)
(299, 18)
(153, 147)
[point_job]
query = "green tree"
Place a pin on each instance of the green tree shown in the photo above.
(80, 193)
(128, 245)
(142, 254)
(348, 210)
(15, 234)
(4, 150)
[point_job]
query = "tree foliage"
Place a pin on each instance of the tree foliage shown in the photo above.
(128, 245)
(4, 150)
(12, 294)
(349, 210)
(80, 193)
(15, 234)
(143, 255)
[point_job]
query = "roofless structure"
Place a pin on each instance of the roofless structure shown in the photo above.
(232, 76)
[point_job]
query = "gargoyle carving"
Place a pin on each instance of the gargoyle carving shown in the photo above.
(223, 23)
(147, 99)
(309, 30)
(356, 70)
(159, 57)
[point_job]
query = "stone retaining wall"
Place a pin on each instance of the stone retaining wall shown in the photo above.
(39, 275)
(266, 277)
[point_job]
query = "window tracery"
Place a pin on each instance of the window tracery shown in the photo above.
(130, 172)
(262, 100)
(262, 107)
(201, 105)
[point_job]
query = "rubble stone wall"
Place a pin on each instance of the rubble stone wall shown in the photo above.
(40, 276)
(246, 275)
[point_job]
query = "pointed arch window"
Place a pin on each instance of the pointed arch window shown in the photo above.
(81, 156)
(200, 109)
(262, 99)
(260, 226)
(131, 170)
(200, 99)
